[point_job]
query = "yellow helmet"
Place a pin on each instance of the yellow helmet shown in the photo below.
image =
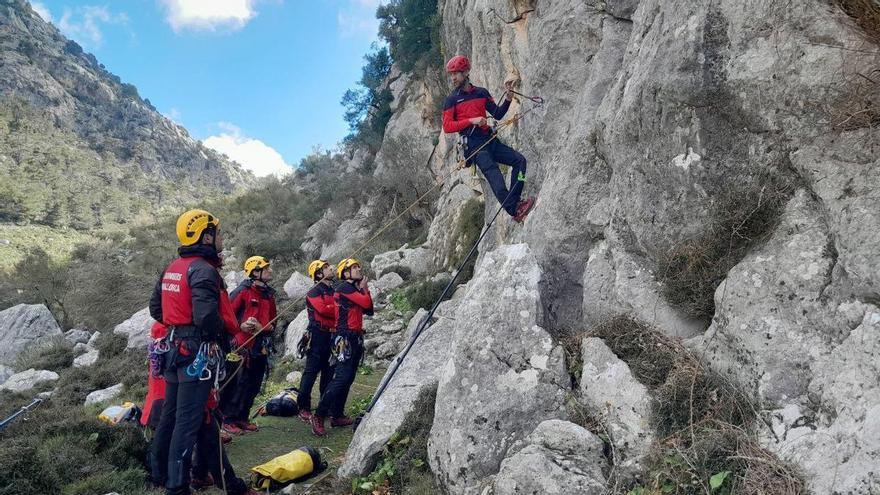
(315, 268)
(192, 224)
(254, 263)
(345, 265)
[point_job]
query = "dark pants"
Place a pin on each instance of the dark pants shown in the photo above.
(183, 414)
(317, 361)
(250, 380)
(210, 455)
(488, 159)
(229, 390)
(333, 400)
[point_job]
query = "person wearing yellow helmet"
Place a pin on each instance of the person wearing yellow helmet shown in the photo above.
(353, 301)
(253, 302)
(317, 341)
(190, 299)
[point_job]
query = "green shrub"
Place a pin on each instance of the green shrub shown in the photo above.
(741, 217)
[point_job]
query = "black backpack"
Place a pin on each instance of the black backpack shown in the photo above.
(283, 404)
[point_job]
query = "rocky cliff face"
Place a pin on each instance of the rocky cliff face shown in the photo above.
(685, 148)
(115, 134)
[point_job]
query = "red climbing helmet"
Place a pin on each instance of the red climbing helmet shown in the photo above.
(458, 63)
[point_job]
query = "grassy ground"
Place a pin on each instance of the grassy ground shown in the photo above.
(278, 436)
(57, 243)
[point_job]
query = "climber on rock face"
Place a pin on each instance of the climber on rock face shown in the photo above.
(318, 339)
(353, 301)
(464, 112)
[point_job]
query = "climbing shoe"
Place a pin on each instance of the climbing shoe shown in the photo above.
(198, 484)
(232, 428)
(247, 426)
(523, 209)
(341, 422)
(318, 426)
(305, 416)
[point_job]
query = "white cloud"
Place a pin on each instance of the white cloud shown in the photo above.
(252, 154)
(84, 23)
(208, 15)
(42, 11)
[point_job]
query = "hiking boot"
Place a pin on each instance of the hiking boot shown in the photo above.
(225, 437)
(318, 426)
(247, 426)
(198, 484)
(305, 416)
(523, 209)
(232, 428)
(341, 422)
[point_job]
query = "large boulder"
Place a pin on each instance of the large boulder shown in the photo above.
(28, 379)
(504, 374)
(783, 331)
(418, 372)
(386, 282)
(232, 279)
(136, 329)
(559, 458)
(418, 260)
(297, 285)
(104, 394)
(24, 328)
(621, 403)
(88, 359)
(295, 331)
(5, 372)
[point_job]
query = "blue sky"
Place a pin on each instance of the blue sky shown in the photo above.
(259, 80)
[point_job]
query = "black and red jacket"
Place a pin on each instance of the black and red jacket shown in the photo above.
(252, 300)
(462, 105)
(191, 294)
(351, 306)
(321, 307)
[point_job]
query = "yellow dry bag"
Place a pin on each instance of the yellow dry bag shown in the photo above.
(298, 465)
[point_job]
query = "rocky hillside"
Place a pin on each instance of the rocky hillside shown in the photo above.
(80, 147)
(706, 175)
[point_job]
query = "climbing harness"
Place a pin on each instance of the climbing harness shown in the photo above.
(427, 319)
(24, 409)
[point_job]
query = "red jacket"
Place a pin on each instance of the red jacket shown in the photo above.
(461, 106)
(250, 300)
(351, 306)
(321, 307)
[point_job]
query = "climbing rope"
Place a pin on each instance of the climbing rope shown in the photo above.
(538, 102)
(427, 319)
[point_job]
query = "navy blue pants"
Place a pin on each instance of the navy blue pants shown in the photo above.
(333, 401)
(488, 159)
(318, 361)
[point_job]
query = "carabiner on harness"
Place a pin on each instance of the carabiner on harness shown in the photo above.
(198, 368)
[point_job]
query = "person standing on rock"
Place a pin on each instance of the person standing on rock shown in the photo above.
(190, 300)
(318, 339)
(254, 304)
(353, 301)
(464, 112)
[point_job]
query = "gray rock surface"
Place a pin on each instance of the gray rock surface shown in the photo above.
(622, 405)
(386, 282)
(419, 371)
(28, 379)
(77, 336)
(504, 374)
(93, 340)
(295, 331)
(5, 373)
(293, 377)
(297, 285)
(419, 260)
(104, 395)
(86, 360)
(232, 278)
(25, 327)
(559, 458)
(136, 329)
